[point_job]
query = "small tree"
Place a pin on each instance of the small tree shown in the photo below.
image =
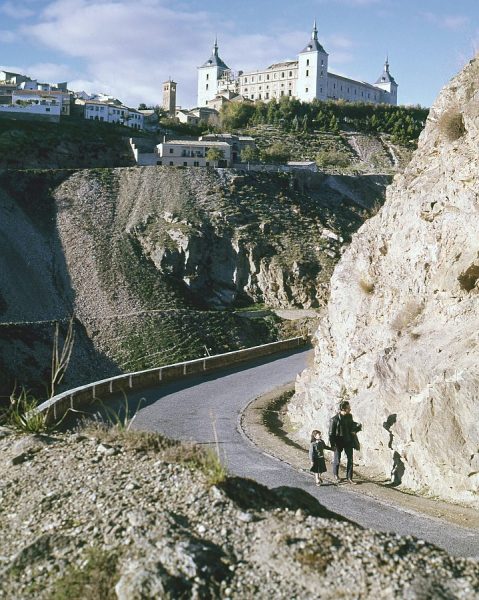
(214, 155)
(276, 153)
(249, 154)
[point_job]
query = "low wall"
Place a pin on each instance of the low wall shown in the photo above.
(82, 397)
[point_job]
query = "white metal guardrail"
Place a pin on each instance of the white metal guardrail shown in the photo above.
(81, 397)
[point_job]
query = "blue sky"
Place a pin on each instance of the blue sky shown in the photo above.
(129, 48)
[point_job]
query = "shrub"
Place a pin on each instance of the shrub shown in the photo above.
(451, 125)
(366, 285)
(332, 158)
(407, 315)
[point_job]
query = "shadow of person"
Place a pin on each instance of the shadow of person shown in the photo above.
(397, 471)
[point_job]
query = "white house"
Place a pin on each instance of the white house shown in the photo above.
(112, 113)
(305, 78)
(37, 96)
(186, 153)
(33, 105)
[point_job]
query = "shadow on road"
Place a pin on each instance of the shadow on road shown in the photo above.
(250, 495)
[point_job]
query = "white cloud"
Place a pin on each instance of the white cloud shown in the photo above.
(128, 49)
(452, 22)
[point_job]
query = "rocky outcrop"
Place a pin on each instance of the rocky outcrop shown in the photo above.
(129, 515)
(400, 336)
(144, 257)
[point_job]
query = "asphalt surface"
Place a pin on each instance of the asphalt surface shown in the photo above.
(207, 410)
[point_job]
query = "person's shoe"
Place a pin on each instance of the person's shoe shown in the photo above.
(352, 482)
(336, 479)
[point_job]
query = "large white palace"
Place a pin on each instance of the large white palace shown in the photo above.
(306, 78)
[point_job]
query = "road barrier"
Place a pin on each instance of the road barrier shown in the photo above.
(80, 398)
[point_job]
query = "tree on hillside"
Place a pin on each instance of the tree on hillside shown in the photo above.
(249, 154)
(214, 155)
(235, 115)
(276, 153)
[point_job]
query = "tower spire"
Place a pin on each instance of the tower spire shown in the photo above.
(314, 34)
(215, 47)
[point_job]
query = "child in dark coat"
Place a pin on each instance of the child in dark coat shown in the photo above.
(316, 455)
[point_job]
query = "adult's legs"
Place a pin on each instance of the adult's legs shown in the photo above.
(336, 460)
(349, 464)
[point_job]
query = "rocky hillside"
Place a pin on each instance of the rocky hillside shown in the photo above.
(400, 336)
(155, 263)
(131, 515)
(70, 144)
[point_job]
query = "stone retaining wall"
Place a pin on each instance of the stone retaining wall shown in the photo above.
(82, 397)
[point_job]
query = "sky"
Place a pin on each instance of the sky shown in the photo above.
(127, 49)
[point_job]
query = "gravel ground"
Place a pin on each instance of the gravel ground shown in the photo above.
(114, 514)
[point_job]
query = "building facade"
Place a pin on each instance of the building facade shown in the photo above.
(306, 79)
(95, 110)
(186, 153)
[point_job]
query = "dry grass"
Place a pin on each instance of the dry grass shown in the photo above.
(407, 315)
(366, 285)
(198, 457)
(451, 125)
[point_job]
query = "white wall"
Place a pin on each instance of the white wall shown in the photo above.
(207, 84)
(312, 76)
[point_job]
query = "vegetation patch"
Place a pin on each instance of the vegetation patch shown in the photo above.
(95, 580)
(451, 125)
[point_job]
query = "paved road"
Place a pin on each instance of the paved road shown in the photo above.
(187, 410)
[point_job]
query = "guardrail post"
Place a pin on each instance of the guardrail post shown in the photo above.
(130, 383)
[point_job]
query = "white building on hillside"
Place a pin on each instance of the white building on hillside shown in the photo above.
(112, 113)
(189, 153)
(306, 79)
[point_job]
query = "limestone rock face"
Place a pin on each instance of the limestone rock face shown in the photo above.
(401, 334)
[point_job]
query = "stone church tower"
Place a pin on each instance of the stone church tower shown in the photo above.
(387, 83)
(208, 75)
(169, 97)
(312, 70)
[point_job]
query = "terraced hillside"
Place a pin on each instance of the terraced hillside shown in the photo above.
(342, 152)
(156, 263)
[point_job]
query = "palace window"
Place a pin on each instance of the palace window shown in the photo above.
(185, 164)
(206, 86)
(282, 74)
(267, 77)
(307, 62)
(307, 90)
(207, 76)
(290, 92)
(307, 72)
(171, 150)
(266, 96)
(291, 73)
(171, 163)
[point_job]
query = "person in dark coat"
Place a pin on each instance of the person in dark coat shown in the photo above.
(342, 436)
(316, 455)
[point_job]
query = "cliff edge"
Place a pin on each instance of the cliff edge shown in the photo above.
(400, 338)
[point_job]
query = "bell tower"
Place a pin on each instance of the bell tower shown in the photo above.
(312, 70)
(208, 75)
(169, 97)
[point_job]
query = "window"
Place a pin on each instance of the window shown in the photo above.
(266, 96)
(196, 163)
(259, 78)
(322, 73)
(185, 164)
(291, 73)
(246, 80)
(282, 74)
(48, 110)
(282, 92)
(289, 92)
(159, 162)
(322, 62)
(207, 76)
(267, 77)
(207, 164)
(259, 96)
(307, 90)
(206, 86)
(171, 163)
(171, 150)
(307, 72)
(307, 62)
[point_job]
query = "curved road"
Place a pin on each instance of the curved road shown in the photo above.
(193, 409)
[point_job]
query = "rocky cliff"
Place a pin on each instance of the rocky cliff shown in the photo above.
(154, 261)
(400, 338)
